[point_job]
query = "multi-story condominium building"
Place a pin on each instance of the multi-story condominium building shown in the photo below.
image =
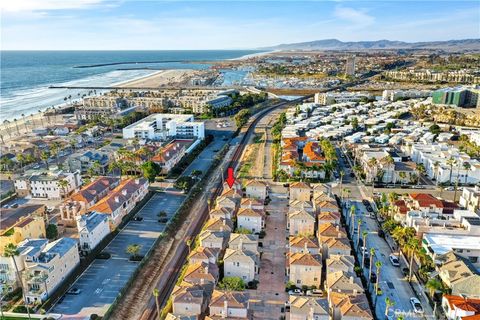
(470, 198)
(394, 95)
(121, 200)
(18, 224)
(47, 265)
(92, 229)
(458, 76)
(346, 306)
(304, 269)
(306, 308)
(162, 126)
(460, 97)
(84, 160)
(79, 202)
(466, 246)
(340, 97)
(172, 153)
(445, 163)
(230, 304)
(256, 189)
(251, 220)
(103, 107)
(212, 104)
(241, 263)
(47, 185)
(300, 191)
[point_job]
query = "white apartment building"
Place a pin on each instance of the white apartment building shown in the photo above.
(466, 246)
(436, 156)
(92, 229)
(394, 95)
(47, 265)
(163, 126)
(470, 198)
(340, 97)
(47, 185)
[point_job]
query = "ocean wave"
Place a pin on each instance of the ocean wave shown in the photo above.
(30, 100)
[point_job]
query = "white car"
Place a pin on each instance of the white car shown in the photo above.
(417, 306)
(295, 291)
(394, 260)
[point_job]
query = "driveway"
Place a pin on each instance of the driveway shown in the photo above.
(269, 299)
(103, 279)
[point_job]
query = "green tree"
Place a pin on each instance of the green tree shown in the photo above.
(378, 266)
(388, 303)
(150, 170)
(435, 129)
(133, 250)
(242, 117)
(44, 156)
(232, 284)
(63, 184)
(184, 183)
(11, 251)
(51, 231)
(433, 285)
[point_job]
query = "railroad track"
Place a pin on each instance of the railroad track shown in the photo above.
(169, 278)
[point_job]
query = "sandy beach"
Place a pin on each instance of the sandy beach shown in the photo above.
(162, 78)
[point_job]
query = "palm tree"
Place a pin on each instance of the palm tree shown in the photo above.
(44, 156)
(411, 247)
(466, 166)
(433, 285)
(372, 254)
(402, 176)
(378, 265)
(16, 125)
(347, 193)
(364, 236)
(21, 159)
(372, 163)
(133, 250)
(388, 303)
(11, 251)
(63, 184)
(420, 168)
(359, 226)
(342, 173)
(156, 293)
(352, 219)
(451, 162)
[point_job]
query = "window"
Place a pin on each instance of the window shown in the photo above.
(473, 259)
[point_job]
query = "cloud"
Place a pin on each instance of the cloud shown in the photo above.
(45, 5)
(358, 17)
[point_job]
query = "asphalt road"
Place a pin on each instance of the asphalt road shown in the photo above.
(103, 279)
(392, 281)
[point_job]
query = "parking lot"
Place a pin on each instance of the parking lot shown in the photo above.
(103, 279)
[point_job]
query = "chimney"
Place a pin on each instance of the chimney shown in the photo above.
(351, 279)
(355, 291)
(206, 268)
(306, 247)
(168, 153)
(240, 244)
(117, 199)
(137, 181)
(124, 192)
(338, 228)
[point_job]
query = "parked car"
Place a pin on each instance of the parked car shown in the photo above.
(74, 291)
(381, 233)
(417, 306)
(394, 260)
(294, 291)
(365, 202)
(373, 278)
(138, 218)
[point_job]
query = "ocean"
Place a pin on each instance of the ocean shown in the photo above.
(26, 75)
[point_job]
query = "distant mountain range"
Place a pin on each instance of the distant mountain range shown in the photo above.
(335, 44)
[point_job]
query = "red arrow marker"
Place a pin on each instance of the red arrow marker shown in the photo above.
(230, 178)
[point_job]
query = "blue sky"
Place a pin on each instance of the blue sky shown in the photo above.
(162, 25)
